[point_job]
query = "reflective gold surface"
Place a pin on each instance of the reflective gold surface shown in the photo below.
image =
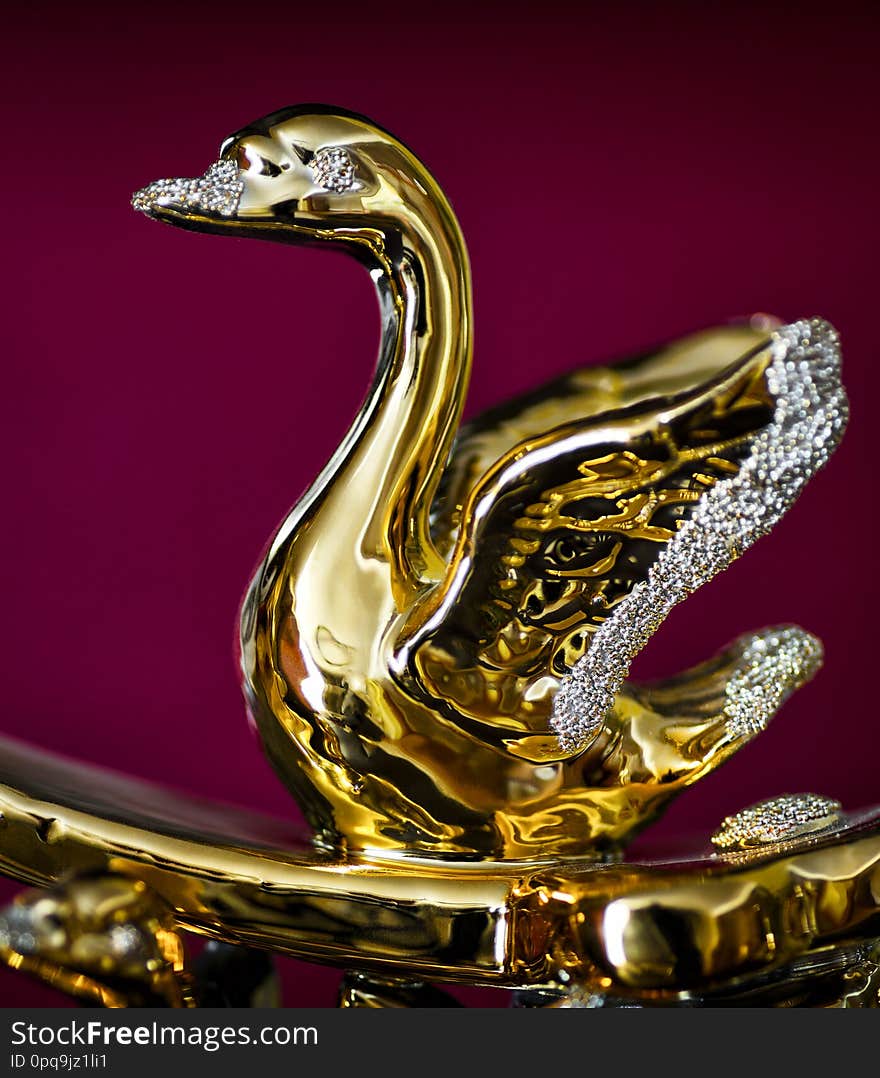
(106, 939)
(401, 646)
(402, 642)
(842, 978)
(647, 931)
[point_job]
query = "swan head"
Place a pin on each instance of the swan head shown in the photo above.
(308, 172)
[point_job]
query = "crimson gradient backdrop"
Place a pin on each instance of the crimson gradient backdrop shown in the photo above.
(168, 396)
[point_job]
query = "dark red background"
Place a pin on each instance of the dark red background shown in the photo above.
(623, 174)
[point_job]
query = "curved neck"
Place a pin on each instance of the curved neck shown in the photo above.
(400, 442)
(357, 550)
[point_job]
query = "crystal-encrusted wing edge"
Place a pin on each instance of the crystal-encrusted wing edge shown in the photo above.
(809, 419)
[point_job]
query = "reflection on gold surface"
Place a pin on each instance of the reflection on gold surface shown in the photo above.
(646, 931)
(404, 638)
(103, 938)
(402, 645)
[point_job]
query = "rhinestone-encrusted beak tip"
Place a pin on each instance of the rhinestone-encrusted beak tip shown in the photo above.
(217, 192)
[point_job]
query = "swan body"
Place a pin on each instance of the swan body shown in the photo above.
(417, 645)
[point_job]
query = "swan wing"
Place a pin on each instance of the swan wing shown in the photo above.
(570, 550)
(579, 396)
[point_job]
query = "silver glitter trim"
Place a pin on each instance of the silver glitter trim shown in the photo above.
(333, 168)
(17, 931)
(218, 192)
(774, 664)
(777, 820)
(808, 422)
(127, 941)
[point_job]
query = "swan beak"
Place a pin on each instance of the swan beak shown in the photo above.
(213, 196)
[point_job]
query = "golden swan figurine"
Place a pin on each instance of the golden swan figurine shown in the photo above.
(435, 592)
(435, 651)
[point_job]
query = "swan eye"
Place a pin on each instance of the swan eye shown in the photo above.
(332, 167)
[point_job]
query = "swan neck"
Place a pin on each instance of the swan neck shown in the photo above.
(400, 443)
